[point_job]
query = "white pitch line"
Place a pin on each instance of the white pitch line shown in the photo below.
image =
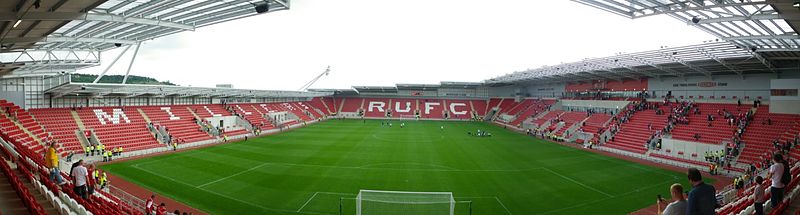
(231, 176)
(340, 194)
(228, 197)
(603, 199)
(501, 204)
(577, 182)
(307, 201)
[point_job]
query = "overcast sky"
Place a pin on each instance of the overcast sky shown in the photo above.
(384, 42)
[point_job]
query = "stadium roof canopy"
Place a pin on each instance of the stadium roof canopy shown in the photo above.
(755, 36)
(50, 36)
(423, 87)
(708, 59)
(761, 24)
(136, 90)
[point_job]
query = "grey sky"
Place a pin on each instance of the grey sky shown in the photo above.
(383, 42)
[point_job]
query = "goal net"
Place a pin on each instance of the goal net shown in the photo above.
(369, 202)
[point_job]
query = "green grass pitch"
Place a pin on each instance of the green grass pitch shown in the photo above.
(315, 169)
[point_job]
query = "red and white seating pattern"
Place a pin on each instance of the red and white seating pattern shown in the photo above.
(404, 108)
(595, 123)
(759, 135)
(459, 109)
(493, 102)
(518, 107)
(118, 126)
(318, 103)
(377, 107)
(60, 124)
(548, 117)
(14, 132)
(351, 104)
(506, 104)
(698, 124)
(253, 115)
(480, 107)
(531, 109)
(179, 122)
(569, 119)
(633, 135)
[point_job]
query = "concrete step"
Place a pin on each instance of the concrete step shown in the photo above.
(10, 203)
(40, 198)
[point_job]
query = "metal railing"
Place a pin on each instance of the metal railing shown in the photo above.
(135, 202)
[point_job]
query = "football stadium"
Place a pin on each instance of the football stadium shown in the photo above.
(708, 127)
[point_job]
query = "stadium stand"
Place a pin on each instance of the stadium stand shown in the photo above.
(506, 104)
(351, 104)
(458, 111)
(321, 104)
(330, 104)
(698, 123)
(178, 121)
(633, 134)
(596, 123)
(110, 123)
(16, 121)
(61, 125)
(435, 111)
(549, 117)
(493, 102)
(711, 76)
(480, 107)
(569, 118)
(377, 107)
(252, 115)
(404, 108)
(760, 134)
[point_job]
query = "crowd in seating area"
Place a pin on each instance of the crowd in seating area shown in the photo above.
(67, 192)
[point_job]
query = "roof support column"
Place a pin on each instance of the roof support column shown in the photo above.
(135, 52)
(112, 64)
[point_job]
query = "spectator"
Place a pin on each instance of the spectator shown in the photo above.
(162, 209)
(776, 174)
(51, 160)
(758, 196)
(678, 207)
(701, 198)
(149, 207)
(80, 176)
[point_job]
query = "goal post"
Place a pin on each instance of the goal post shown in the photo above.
(369, 202)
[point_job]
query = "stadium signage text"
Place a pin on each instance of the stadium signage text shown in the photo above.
(705, 84)
(117, 115)
(456, 108)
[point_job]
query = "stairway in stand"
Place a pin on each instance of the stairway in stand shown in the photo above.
(10, 203)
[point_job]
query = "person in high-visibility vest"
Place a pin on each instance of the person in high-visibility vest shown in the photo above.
(120, 150)
(109, 155)
(95, 174)
(103, 181)
(87, 151)
(91, 147)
